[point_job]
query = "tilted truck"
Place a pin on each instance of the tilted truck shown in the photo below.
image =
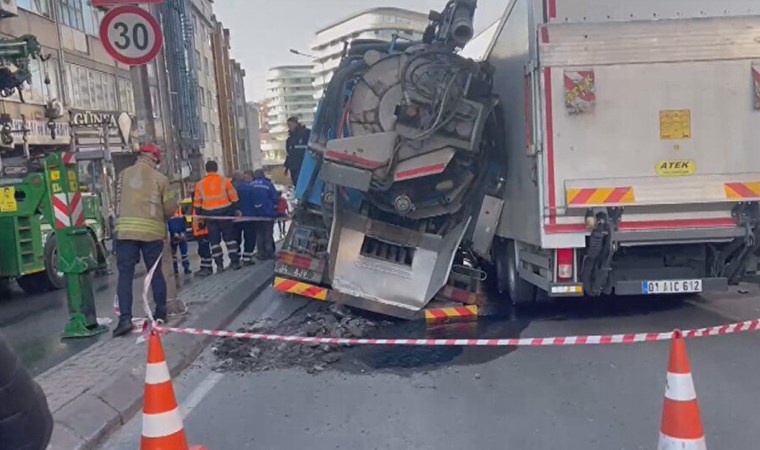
(602, 147)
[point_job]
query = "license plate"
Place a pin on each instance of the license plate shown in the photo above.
(671, 287)
(294, 272)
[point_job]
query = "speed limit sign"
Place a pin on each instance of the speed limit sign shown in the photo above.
(131, 35)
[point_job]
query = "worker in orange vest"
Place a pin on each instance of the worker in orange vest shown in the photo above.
(215, 196)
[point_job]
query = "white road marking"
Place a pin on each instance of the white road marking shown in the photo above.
(200, 392)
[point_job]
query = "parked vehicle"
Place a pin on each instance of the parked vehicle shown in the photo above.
(602, 147)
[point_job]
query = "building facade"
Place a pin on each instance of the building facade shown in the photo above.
(181, 77)
(254, 134)
(204, 27)
(242, 121)
(289, 93)
(220, 43)
(376, 23)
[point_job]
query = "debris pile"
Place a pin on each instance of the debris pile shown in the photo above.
(245, 355)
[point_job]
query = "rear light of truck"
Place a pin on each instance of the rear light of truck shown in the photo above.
(565, 264)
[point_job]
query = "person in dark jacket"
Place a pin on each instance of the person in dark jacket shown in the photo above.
(247, 229)
(25, 419)
(296, 145)
(265, 198)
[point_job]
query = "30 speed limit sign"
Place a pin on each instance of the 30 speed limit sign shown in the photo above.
(131, 35)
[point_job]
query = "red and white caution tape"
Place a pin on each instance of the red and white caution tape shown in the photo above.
(739, 327)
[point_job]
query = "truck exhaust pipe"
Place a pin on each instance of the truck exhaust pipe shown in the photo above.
(462, 30)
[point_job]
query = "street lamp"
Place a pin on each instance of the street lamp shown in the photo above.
(313, 58)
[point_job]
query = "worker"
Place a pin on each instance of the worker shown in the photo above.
(296, 146)
(25, 418)
(246, 226)
(144, 205)
(200, 231)
(265, 207)
(178, 239)
(215, 196)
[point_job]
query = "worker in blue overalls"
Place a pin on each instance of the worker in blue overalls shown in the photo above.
(178, 235)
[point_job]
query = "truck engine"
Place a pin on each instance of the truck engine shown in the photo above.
(401, 152)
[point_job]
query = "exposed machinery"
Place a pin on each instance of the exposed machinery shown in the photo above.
(428, 170)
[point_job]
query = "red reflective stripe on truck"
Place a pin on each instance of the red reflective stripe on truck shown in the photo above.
(552, 8)
(648, 225)
(437, 168)
(550, 146)
(331, 154)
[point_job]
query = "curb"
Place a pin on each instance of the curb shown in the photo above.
(87, 421)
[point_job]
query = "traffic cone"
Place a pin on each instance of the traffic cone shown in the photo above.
(681, 427)
(162, 422)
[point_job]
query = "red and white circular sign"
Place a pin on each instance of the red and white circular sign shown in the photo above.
(131, 35)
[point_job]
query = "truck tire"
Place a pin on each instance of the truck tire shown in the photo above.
(53, 279)
(520, 291)
(508, 280)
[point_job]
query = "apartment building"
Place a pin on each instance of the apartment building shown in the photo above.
(289, 93)
(204, 27)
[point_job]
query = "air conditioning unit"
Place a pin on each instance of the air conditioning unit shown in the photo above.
(8, 8)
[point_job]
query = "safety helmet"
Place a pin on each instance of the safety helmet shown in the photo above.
(152, 150)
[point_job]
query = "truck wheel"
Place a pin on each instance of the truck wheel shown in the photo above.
(53, 278)
(508, 280)
(520, 291)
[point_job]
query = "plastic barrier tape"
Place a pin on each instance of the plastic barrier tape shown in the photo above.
(739, 327)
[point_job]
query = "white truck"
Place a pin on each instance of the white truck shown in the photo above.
(621, 158)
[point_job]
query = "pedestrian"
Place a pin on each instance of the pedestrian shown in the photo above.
(216, 197)
(144, 205)
(25, 419)
(265, 207)
(178, 239)
(283, 211)
(200, 231)
(248, 211)
(296, 146)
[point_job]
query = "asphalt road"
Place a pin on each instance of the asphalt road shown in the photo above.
(33, 324)
(596, 397)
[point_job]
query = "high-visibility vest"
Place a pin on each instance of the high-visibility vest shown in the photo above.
(214, 192)
(197, 230)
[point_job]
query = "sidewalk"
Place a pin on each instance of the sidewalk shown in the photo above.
(102, 387)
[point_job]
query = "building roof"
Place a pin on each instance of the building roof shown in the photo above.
(292, 67)
(381, 10)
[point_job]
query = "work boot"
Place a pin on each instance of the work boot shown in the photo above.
(235, 265)
(188, 271)
(249, 263)
(123, 328)
(160, 315)
(203, 273)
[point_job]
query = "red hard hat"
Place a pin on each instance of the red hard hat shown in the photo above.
(151, 150)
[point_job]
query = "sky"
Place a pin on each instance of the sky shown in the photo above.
(263, 31)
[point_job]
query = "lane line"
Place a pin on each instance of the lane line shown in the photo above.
(200, 392)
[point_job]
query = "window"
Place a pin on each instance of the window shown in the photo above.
(36, 6)
(198, 60)
(213, 133)
(205, 60)
(91, 89)
(126, 96)
(155, 104)
(201, 96)
(38, 92)
(71, 13)
(195, 22)
(211, 102)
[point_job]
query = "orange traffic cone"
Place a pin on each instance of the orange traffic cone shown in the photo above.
(162, 422)
(681, 427)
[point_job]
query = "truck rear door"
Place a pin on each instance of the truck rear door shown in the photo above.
(653, 106)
